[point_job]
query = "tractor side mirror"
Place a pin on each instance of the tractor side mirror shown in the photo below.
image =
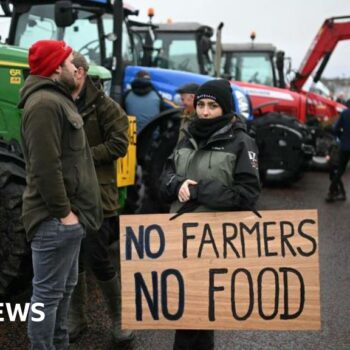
(64, 14)
(280, 60)
(6, 7)
(289, 64)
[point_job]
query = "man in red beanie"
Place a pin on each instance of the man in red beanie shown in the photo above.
(61, 201)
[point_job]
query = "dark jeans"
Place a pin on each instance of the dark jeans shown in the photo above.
(194, 340)
(55, 251)
(94, 250)
(337, 172)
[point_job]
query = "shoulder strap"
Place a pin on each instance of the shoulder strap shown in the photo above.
(162, 102)
(126, 93)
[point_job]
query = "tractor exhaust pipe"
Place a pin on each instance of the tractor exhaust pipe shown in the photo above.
(218, 50)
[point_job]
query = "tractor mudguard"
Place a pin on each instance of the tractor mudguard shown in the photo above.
(148, 134)
(155, 143)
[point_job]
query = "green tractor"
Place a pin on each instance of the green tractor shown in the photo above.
(14, 250)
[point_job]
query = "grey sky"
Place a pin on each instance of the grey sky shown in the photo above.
(290, 25)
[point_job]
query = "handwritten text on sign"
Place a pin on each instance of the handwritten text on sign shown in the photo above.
(220, 271)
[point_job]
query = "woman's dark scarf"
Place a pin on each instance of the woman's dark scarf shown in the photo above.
(202, 129)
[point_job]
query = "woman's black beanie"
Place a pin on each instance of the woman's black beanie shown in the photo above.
(218, 90)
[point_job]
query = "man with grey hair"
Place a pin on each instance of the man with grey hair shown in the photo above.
(106, 127)
(187, 93)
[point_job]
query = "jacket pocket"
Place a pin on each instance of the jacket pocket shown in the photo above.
(182, 159)
(77, 138)
(106, 174)
(219, 166)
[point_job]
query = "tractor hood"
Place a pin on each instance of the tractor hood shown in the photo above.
(167, 81)
(13, 56)
(303, 105)
(16, 57)
(267, 99)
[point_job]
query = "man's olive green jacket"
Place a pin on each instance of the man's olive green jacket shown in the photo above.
(106, 127)
(59, 168)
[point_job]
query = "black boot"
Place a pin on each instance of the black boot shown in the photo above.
(111, 292)
(331, 197)
(333, 190)
(342, 193)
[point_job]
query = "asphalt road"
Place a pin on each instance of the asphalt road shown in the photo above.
(334, 243)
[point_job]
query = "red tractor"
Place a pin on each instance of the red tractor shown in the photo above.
(261, 64)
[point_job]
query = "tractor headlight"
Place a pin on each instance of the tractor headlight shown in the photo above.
(243, 103)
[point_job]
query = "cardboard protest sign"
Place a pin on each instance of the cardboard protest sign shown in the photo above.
(221, 271)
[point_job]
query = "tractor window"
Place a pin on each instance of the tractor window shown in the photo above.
(127, 48)
(127, 51)
(4, 28)
(83, 37)
(251, 67)
(208, 64)
(138, 44)
(39, 23)
(183, 54)
(36, 25)
(172, 53)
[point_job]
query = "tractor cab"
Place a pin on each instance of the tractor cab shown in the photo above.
(87, 26)
(180, 46)
(253, 63)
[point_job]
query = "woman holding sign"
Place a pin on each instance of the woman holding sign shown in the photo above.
(213, 168)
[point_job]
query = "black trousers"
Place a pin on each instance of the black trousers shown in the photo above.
(94, 250)
(194, 340)
(337, 172)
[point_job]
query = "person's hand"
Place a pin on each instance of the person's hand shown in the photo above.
(70, 219)
(184, 192)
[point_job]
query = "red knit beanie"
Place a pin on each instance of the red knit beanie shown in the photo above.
(45, 56)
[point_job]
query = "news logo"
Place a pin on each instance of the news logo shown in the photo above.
(15, 312)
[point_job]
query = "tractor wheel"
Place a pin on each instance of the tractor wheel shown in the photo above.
(284, 147)
(156, 143)
(15, 265)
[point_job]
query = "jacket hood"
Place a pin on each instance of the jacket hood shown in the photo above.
(34, 83)
(88, 96)
(239, 122)
(92, 92)
(141, 86)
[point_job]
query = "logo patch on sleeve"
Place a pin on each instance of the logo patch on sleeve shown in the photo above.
(253, 159)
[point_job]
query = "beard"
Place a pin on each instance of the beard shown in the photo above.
(67, 80)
